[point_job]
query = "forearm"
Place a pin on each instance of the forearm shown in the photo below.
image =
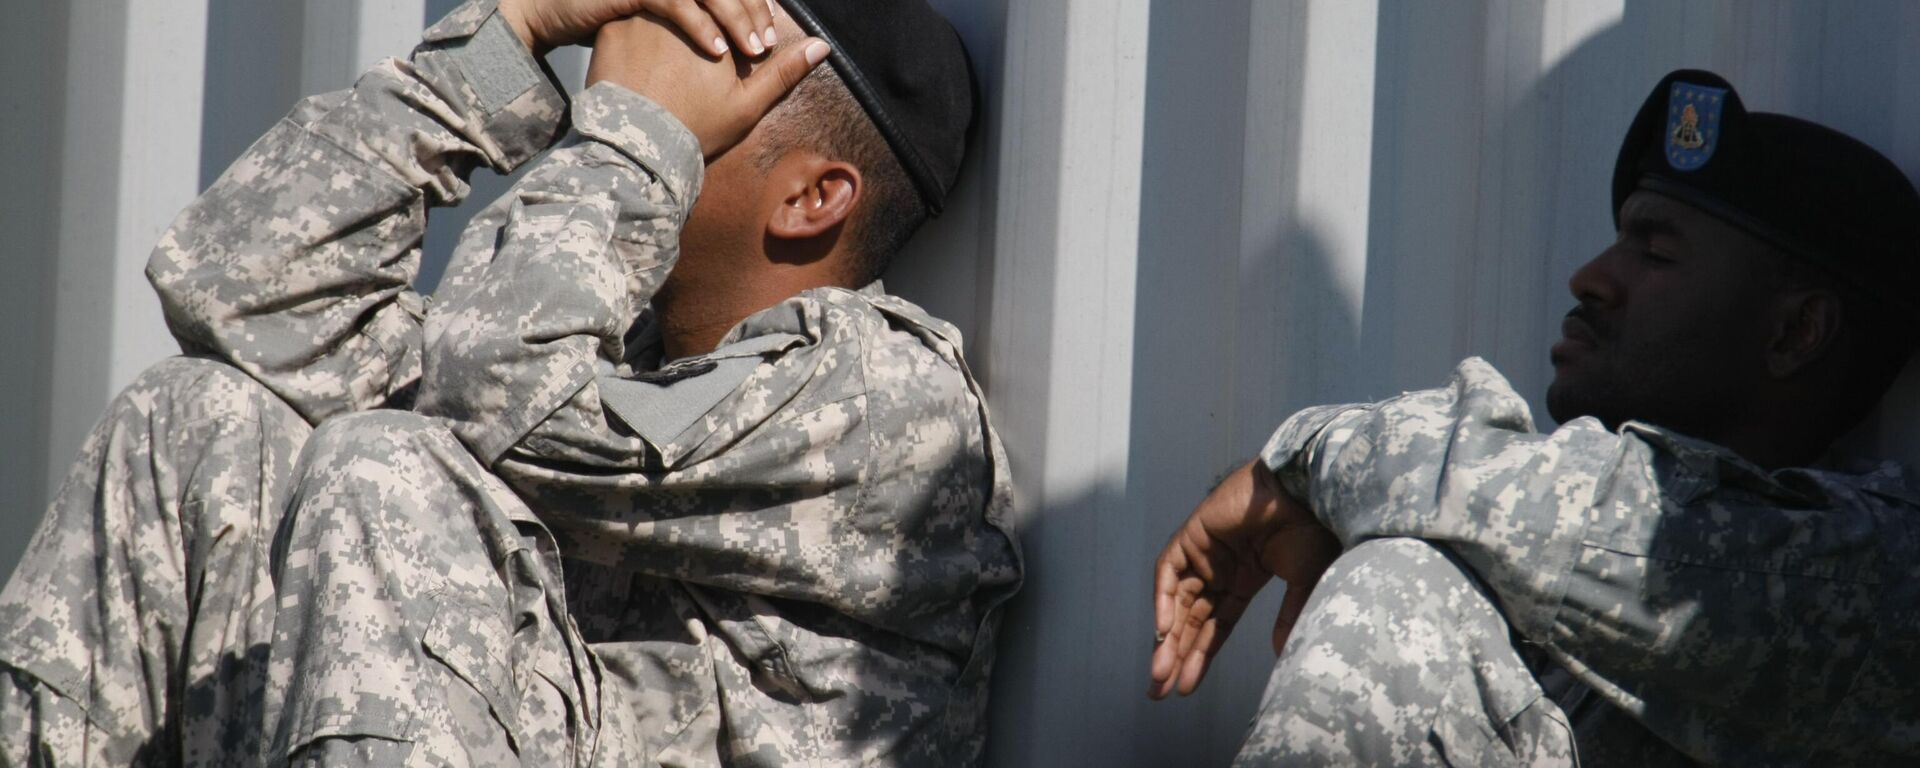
(550, 278)
(1458, 465)
(297, 264)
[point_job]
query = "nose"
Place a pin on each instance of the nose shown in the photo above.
(1594, 282)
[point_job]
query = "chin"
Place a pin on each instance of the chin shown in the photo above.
(1567, 401)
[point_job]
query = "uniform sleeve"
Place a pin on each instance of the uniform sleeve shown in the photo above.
(1681, 582)
(554, 273)
(297, 264)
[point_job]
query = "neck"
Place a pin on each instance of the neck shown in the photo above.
(695, 315)
(1776, 443)
(1771, 453)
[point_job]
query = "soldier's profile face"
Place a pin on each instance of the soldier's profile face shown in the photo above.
(1669, 327)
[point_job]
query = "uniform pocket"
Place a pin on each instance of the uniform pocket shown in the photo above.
(473, 641)
(1536, 735)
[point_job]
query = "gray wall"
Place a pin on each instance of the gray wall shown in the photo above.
(1181, 221)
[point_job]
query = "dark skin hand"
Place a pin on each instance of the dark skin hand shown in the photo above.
(1246, 532)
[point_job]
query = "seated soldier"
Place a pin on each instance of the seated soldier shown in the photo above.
(660, 475)
(1664, 579)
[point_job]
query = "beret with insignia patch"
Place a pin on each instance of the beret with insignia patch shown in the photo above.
(905, 65)
(1812, 191)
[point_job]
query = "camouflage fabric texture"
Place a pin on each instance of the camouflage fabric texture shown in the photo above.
(1401, 660)
(135, 629)
(519, 535)
(1742, 616)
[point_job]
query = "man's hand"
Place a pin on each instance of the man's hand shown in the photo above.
(548, 24)
(720, 101)
(1245, 533)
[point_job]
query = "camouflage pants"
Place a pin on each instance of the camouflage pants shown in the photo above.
(413, 623)
(133, 631)
(421, 619)
(1401, 659)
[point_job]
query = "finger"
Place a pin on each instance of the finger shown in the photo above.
(1162, 687)
(762, 13)
(1291, 607)
(1210, 637)
(1166, 579)
(698, 26)
(781, 73)
(1161, 671)
(1192, 622)
(1173, 646)
(1195, 664)
(734, 18)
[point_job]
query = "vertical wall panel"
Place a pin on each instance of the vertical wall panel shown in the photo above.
(345, 37)
(33, 40)
(130, 162)
(252, 77)
(1060, 353)
(1182, 434)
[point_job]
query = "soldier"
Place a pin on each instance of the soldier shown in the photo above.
(661, 474)
(1664, 579)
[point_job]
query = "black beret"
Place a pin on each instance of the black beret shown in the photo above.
(1812, 191)
(904, 63)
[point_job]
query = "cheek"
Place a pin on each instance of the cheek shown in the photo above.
(1707, 333)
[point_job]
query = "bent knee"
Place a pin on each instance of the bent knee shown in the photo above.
(196, 389)
(379, 449)
(1385, 591)
(369, 433)
(1398, 554)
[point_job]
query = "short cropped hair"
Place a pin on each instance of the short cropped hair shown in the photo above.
(822, 115)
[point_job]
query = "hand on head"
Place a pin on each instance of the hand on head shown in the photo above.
(676, 52)
(547, 24)
(1245, 533)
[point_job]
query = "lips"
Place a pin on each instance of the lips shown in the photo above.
(1576, 334)
(1576, 329)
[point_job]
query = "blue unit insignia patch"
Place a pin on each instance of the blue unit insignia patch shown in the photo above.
(1693, 124)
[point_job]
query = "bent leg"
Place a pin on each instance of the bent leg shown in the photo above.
(420, 620)
(1401, 659)
(132, 629)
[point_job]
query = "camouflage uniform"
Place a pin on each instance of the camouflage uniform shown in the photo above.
(1665, 597)
(567, 551)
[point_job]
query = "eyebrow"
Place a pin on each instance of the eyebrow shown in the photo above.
(1643, 225)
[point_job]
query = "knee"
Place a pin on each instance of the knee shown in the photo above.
(1403, 595)
(369, 457)
(1396, 638)
(1397, 560)
(196, 389)
(383, 436)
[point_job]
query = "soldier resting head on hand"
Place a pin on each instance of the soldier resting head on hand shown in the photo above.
(660, 475)
(1664, 579)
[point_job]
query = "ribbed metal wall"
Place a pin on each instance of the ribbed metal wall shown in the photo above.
(1182, 221)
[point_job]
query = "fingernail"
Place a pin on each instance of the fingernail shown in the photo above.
(817, 51)
(753, 41)
(773, 38)
(720, 45)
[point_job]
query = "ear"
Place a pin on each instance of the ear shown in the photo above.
(1806, 327)
(818, 195)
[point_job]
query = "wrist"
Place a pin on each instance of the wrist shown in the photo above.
(516, 19)
(1266, 499)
